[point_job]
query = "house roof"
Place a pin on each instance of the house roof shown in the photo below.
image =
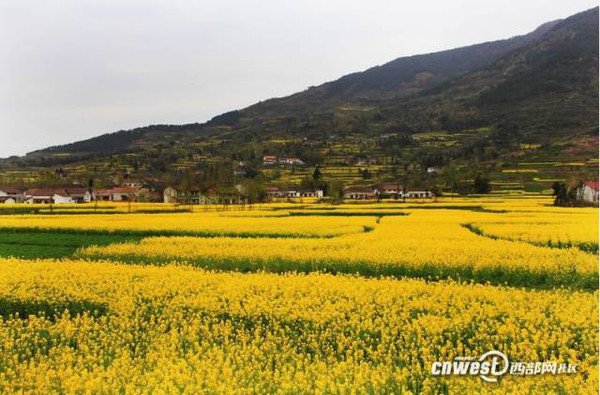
(124, 190)
(309, 190)
(593, 185)
(76, 191)
(193, 188)
(360, 189)
(11, 190)
(103, 192)
(45, 191)
(69, 191)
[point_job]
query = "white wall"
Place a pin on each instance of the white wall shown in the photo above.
(59, 199)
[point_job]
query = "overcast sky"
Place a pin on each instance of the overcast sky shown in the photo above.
(71, 70)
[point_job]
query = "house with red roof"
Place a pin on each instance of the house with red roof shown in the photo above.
(11, 195)
(588, 192)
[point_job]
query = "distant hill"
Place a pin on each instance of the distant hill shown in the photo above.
(477, 105)
(547, 87)
(401, 77)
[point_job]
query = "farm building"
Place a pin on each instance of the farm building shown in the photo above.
(269, 160)
(359, 193)
(273, 192)
(10, 195)
(419, 195)
(292, 193)
(174, 194)
(588, 192)
(131, 183)
(58, 195)
(118, 194)
(292, 161)
(317, 193)
(39, 195)
(170, 194)
(392, 189)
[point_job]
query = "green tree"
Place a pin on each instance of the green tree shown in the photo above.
(481, 184)
(560, 194)
(336, 191)
(317, 175)
(366, 174)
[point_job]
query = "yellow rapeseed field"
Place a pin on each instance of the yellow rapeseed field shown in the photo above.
(182, 330)
(425, 243)
(191, 223)
(297, 297)
(574, 228)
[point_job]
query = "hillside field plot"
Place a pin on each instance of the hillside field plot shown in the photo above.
(297, 297)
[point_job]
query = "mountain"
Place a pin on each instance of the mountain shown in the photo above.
(547, 87)
(398, 78)
(401, 77)
(475, 106)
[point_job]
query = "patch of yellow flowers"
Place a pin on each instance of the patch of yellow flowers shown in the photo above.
(542, 227)
(103, 327)
(183, 330)
(425, 243)
(207, 223)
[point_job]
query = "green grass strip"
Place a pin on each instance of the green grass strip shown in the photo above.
(510, 276)
(589, 247)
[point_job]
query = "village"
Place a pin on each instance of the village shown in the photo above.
(244, 190)
(138, 191)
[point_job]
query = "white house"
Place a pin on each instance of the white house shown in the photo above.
(170, 195)
(129, 183)
(39, 195)
(419, 195)
(269, 160)
(117, 194)
(9, 195)
(318, 193)
(292, 193)
(360, 193)
(78, 195)
(588, 192)
(58, 195)
(392, 189)
(273, 192)
(292, 161)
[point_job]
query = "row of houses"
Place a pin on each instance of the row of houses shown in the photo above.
(386, 190)
(67, 195)
(272, 160)
(192, 195)
(274, 192)
(45, 195)
(353, 192)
